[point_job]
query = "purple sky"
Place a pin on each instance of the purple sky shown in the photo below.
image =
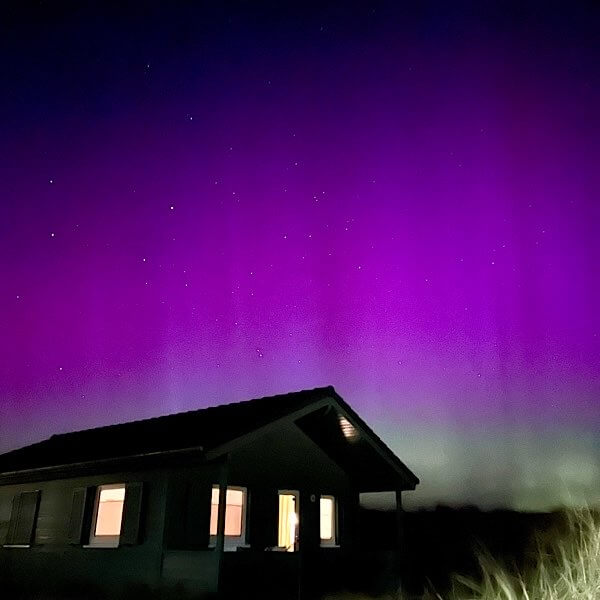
(405, 207)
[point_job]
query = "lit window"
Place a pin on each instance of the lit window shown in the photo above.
(328, 521)
(108, 514)
(235, 509)
(287, 531)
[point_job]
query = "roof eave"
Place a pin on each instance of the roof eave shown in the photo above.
(409, 479)
(98, 465)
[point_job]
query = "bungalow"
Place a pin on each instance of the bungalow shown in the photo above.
(254, 498)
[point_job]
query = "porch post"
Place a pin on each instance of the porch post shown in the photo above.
(220, 544)
(308, 544)
(400, 545)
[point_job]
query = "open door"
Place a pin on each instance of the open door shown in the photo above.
(289, 521)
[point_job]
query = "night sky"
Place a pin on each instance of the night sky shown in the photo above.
(206, 202)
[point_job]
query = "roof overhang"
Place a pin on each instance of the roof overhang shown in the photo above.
(321, 414)
(106, 465)
(329, 423)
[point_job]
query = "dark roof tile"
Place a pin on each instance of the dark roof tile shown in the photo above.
(207, 427)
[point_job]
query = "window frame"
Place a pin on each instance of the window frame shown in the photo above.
(105, 541)
(332, 542)
(231, 542)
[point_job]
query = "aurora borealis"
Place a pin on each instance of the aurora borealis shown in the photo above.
(204, 203)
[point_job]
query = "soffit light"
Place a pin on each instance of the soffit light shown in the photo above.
(350, 432)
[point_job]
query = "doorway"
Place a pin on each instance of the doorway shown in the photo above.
(289, 520)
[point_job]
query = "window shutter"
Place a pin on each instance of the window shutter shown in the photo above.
(263, 515)
(197, 514)
(79, 521)
(132, 510)
(14, 518)
(23, 517)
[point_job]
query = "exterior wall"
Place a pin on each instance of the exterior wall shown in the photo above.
(188, 561)
(286, 459)
(173, 550)
(52, 563)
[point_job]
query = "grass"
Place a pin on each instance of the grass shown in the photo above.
(562, 564)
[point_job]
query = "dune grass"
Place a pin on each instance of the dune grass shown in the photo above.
(562, 564)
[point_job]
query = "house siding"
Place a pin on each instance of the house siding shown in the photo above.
(286, 459)
(53, 560)
(173, 549)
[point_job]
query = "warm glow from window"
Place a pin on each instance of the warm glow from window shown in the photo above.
(234, 512)
(327, 519)
(288, 521)
(349, 431)
(110, 511)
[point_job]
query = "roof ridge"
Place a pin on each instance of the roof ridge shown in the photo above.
(328, 388)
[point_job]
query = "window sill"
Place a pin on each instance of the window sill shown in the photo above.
(16, 545)
(230, 547)
(103, 541)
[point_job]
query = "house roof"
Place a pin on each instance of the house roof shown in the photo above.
(204, 430)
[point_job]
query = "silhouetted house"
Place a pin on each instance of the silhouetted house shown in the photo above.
(254, 497)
